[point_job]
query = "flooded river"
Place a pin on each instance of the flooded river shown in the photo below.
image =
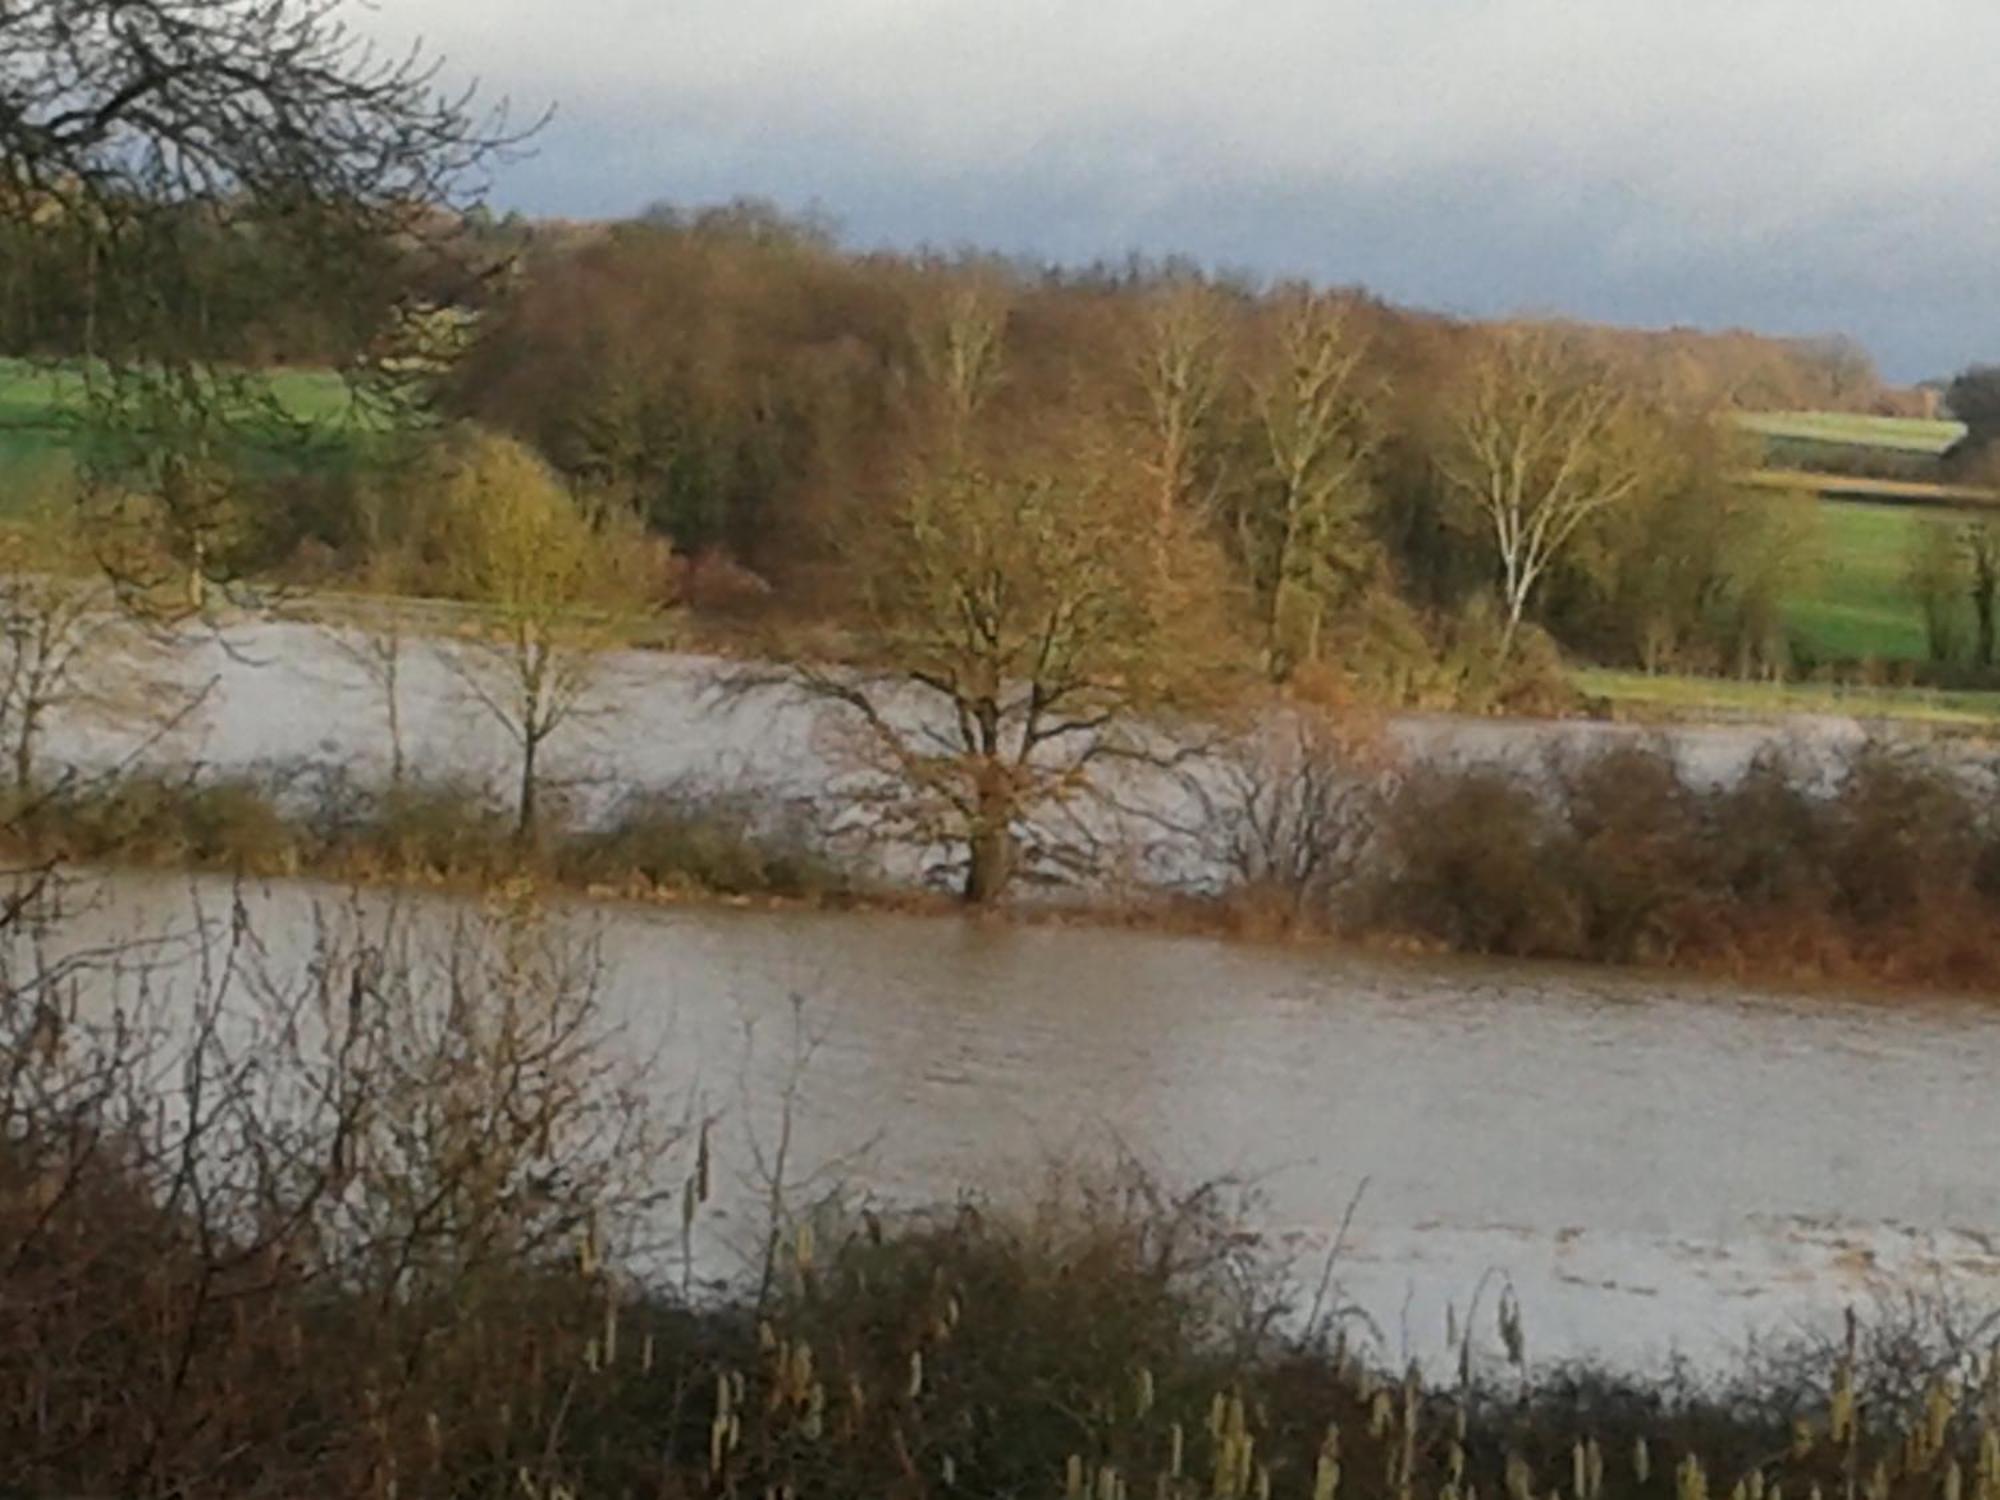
(1656, 1165)
(280, 693)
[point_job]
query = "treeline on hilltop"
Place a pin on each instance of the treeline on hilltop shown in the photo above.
(757, 393)
(1397, 500)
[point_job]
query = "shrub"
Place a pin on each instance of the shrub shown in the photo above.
(682, 840)
(1473, 860)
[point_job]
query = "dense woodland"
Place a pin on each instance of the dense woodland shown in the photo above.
(764, 401)
(755, 393)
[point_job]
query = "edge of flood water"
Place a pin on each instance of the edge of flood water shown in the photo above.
(1167, 922)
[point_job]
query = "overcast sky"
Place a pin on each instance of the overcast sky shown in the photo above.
(1790, 165)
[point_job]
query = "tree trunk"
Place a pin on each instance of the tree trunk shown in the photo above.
(991, 844)
(1982, 604)
(393, 706)
(524, 827)
(24, 752)
(1516, 605)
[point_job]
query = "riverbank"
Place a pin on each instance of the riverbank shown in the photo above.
(1639, 697)
(1880, 868)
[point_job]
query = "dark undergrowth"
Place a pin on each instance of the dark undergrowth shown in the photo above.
(1880, 865)
(1112, 1343)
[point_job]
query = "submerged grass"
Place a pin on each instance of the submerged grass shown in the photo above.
(318, 822)
(1881, 866)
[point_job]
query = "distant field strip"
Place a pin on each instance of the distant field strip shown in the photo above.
(1846, 429)
(1857, 487)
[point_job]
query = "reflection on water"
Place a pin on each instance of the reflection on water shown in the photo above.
(1656, 1164)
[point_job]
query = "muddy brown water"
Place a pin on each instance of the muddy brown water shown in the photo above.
(1656, 1165)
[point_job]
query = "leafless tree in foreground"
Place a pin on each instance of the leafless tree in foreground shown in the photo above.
(139, 139)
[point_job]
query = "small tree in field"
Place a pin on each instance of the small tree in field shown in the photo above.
(557, 584)
(1542, 439)
(1938, 577)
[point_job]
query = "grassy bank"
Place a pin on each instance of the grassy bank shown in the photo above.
(1643, 696)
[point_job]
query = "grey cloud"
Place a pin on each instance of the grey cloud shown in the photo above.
(1795, 165)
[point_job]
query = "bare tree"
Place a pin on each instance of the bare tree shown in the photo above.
(67, 647)
(1287, 809)
(961, 356)
(1020, 622)
(1018, 635)
(1543, 439)
(556, 584)
(1303, 528)
(1181, 371)
(374, 637)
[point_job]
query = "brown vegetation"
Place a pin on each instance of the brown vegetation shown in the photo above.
(1885, 867)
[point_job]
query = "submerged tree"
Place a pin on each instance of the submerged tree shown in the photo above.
(556, 583)
(1018, 633)
(1022, 619)
(66, 647)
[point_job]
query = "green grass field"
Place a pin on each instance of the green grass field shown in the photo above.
(39, 405)
(1857, 605)
(1853, 605)
(1847, 429)
(1635, 695)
